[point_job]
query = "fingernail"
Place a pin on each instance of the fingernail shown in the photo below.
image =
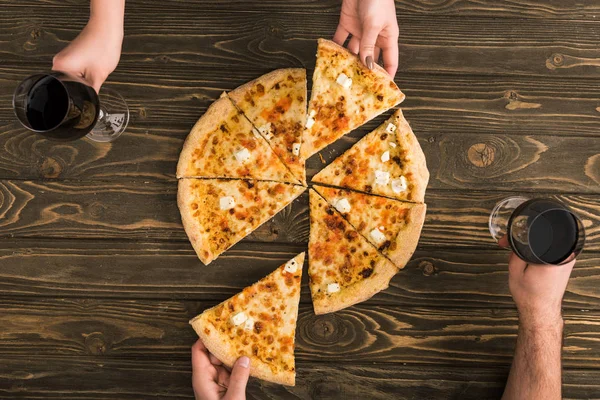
(369, 62)
(244, 362)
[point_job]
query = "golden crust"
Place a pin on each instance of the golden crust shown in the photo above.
(267, 80)
(417, 157)
(190, 224)
(408, 238)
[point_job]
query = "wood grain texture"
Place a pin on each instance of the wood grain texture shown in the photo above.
(382, 334)
(147, 210)
(148, 270)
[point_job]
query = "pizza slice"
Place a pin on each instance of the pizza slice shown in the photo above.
(345, 95)
(260, 323)
(218, 213)
(344, 268)
(222, 144)
(390, 225)
(275, 103)
(388, 161)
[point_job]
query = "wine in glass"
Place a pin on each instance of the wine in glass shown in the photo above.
(63, 107)
(539, 231)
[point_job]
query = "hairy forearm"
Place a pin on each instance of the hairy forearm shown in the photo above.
(109, 13)
(536, 368)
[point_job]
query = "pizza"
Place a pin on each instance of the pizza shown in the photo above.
(344, 268)
(345, 94)
(260, 323)
(275, 103)
(387, 161)
(390, 225)
(223, 144)
(218, 213)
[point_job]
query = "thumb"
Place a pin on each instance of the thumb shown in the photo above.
(239, 379)
(367, 44)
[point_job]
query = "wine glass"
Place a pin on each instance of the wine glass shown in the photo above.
(63, 107)
(539, 231)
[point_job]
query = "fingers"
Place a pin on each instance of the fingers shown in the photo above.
(390, 55)
(214, 360)
(377, 54)
(200, 357)
(340, 35)
(503, 242)
(354, 44)
(367, 44)
(239, 379)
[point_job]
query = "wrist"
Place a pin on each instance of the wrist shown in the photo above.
(541, 321)
(107, 18)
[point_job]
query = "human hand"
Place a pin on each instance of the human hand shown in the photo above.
(537, 290)
(374, 29)
(212, 381)
(95, 53)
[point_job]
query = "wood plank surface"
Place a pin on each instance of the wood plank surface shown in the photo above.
(427, 45)
(148, 210)
(359, 334)
(114, 269)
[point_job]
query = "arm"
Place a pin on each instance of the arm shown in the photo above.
(95, 53)
(537, 291)
(374, 29)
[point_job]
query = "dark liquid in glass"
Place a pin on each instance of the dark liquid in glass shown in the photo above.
(543, 230)
(62, 109)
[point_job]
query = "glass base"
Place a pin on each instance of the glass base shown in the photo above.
(113, 118)
(498, 222)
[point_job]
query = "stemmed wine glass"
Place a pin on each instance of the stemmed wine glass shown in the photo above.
(63, 107)
(539, 231)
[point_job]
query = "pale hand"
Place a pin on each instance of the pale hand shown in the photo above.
(374, 29)
(537, 290)
(94, 54)
(212, 381)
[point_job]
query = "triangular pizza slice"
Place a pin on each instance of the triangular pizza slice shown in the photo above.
(392, 226)
(345, 95)
(223, 144)
(260, 323)
(275, 103)
(344, 268)
(218, 213)
(388, 161)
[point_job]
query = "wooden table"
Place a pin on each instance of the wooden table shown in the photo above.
(98, 280)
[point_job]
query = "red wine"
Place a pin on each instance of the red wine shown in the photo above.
(544, 231)
(62, 108)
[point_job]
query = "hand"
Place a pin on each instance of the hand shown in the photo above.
(537, 290)
(212, 381)
(374, 29)
(95, 53)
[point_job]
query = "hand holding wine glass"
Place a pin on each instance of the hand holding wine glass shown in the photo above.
(95, 53)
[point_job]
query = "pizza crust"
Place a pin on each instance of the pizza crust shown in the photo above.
(191, 225)
(267, 80)
(408, 238)
(418, 162)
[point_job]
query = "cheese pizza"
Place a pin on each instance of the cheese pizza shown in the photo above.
(390, 225)
(344, 268)
(387, 161)
(345, 94)
(223, 144)
(260, 323)
(275, 103)
(218, 213)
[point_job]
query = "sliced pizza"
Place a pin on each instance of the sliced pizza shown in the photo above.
(345, 94)
(388, 161)
(223, 144)
(218, 213)
(392, 226)
(275, 103)
(260, 323)
(344, 268)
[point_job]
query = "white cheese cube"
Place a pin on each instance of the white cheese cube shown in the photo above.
(399, 185)
(309, 122)
(239, 318)
(265, 130)
(249, 324)
(341, 79)
(382, 177)
(333, 287)
(226, 202)
(377, 236)
(312, 113)
(391, 128)
(385, 157)
(296, 149)
(291, 266)
(342, 205)
(242, 155)
(348, 83)
(392, 144)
